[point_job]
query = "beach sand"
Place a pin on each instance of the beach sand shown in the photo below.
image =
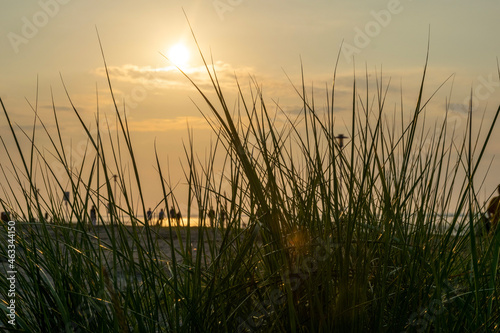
(112, 240)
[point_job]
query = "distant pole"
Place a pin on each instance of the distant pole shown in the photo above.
(115, 177)
(340, 139)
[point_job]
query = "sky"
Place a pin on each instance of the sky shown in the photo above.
(47, 42)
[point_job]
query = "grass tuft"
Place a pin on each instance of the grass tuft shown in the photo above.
(311, 235)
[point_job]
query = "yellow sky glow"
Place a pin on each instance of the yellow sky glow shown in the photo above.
(249, 45)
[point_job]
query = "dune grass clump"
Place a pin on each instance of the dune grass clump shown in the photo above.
(318, 236)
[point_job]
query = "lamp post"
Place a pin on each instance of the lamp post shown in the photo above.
(340, 138)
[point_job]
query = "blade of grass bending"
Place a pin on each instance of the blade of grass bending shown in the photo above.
(239, 149)
(495, 244)
(470, 190)
(172, 250)
(21, 155)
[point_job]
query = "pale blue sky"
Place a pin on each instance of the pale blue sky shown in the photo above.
(260, 38)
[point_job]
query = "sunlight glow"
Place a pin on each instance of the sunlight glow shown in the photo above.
(178, 54)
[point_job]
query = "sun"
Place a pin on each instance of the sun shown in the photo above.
(178, 54)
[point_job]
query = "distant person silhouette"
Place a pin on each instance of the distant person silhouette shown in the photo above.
(172, 213)
(93, 215)
(211, 216)
(494, 210)
(5, 217)
(161, 216)
(178, 218)
(149, 215)
(222, 217)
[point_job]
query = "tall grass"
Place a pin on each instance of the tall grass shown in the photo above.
(317, 236)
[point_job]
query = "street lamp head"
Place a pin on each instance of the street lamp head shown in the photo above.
(340, 139)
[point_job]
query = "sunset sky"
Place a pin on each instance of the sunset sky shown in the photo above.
(265, 40)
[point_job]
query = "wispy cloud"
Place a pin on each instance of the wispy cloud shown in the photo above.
(459, 107)
(173, 124)
(171, 77)
(285, 91)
